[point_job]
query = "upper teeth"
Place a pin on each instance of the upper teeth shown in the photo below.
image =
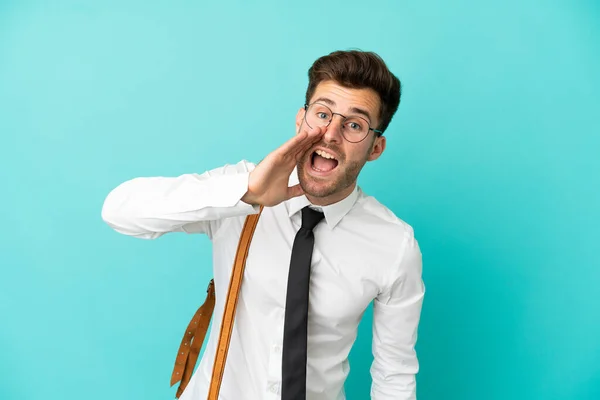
(325, 154)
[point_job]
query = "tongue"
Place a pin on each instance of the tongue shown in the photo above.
(324, 164)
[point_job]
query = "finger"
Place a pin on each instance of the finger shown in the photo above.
(314, 132)
(316, 135)
(318, 131)
(299, 144)
(312, 137)
(301, 151)
(305, 145)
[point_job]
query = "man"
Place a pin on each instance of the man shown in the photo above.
(361, 252)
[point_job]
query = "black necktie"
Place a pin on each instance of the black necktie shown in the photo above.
(296, 310)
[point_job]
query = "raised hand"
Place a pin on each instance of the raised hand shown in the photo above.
(268, 183)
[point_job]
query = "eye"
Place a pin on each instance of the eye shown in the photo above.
(354, 126)
(322, 115)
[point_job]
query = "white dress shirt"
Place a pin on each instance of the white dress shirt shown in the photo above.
(363, 253)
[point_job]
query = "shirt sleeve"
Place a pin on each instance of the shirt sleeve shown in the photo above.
(150, 207)
(396, 314)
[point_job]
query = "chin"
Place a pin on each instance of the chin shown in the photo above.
(316, 186)
(320, 185)
(317, 189)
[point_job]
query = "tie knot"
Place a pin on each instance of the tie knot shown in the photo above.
(310, 218)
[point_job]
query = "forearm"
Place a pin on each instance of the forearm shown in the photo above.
(395, 363)
(396, 315)
(399, 385)
(150, 207)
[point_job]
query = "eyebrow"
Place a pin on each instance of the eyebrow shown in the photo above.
(354, 110)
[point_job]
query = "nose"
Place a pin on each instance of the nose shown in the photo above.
(333, 134)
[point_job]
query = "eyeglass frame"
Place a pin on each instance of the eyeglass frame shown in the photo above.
(306, 106)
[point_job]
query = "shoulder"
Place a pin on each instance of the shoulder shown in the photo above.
(374, 214)
(397, 249)
(392, 237)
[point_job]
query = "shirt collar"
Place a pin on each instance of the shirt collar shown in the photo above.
(333, 212)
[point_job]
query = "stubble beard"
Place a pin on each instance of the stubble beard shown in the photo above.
(345, 176)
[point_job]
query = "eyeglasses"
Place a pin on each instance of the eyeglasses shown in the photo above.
(354, 128)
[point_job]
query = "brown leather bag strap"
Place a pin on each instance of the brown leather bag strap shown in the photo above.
(190, 346)
(195, 333)
(232, 296)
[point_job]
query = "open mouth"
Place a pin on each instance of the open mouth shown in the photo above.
(323, 162)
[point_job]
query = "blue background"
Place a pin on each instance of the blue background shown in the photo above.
(493, 158)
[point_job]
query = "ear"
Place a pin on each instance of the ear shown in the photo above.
(299, 119)
(377, 148)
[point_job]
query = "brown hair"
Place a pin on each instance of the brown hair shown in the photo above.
(358, 69)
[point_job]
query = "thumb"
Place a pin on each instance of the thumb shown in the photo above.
(295, 191)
